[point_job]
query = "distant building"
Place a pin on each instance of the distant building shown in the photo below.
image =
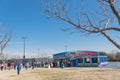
(81, 58)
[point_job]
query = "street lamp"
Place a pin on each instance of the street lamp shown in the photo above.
(24, 46)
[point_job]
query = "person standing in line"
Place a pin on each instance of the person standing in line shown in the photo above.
(9, 66)
(2, 66)
(27, 66)
(33, 65)
(15, 66)
(18, 68)
(63, 66)
(48, 65)
(5, 66)
(58, 64)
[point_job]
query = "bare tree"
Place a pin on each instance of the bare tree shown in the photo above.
(104, 20)
(4, 39)
(4, 57)
(118, 56)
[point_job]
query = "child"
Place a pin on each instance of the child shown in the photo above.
(18, 68)
(62, 66)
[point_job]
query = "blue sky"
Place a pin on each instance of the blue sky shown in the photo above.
(24, 18)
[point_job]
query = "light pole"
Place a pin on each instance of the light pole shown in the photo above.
(24, 46)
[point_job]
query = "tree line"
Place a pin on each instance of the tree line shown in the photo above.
(113, 56)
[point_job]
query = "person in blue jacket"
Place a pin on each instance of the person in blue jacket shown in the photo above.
(18, 68)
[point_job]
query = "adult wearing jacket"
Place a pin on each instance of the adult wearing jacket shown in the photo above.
(18, 69)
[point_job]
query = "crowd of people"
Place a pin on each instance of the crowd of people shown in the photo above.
(17, 66)
(7, 66)
(13, 65)
(32, 64)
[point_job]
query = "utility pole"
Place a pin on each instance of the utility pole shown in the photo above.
(24, 38)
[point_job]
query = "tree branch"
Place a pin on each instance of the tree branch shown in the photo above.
(115, 12)
(111, 28)
(88, 24)
(110, 39)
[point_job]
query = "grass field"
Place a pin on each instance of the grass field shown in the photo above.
(62, 74)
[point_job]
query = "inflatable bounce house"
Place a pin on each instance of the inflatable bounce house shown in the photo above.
(81, 59)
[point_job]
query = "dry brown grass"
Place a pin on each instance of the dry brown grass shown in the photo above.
(62, 74)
